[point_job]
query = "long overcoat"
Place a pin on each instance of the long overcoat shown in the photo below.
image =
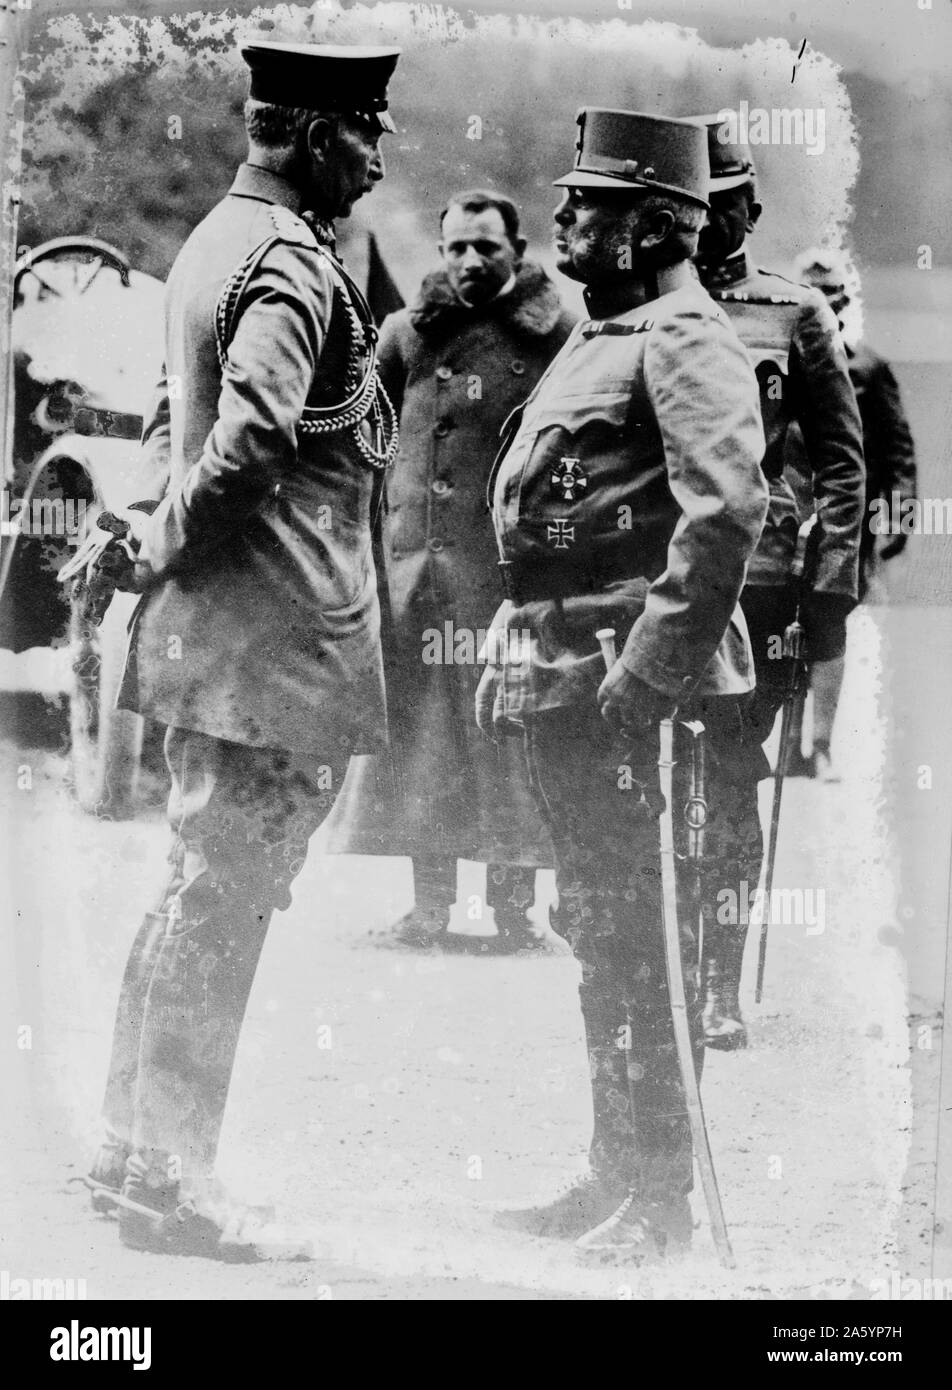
(455, 375)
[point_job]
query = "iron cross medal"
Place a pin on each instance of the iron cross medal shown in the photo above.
(568, 478)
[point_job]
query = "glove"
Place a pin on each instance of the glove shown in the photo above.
(894, 547)
(824, 622)
(630, 706)
(485, 700)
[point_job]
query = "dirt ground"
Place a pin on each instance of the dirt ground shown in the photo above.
(455, 1085)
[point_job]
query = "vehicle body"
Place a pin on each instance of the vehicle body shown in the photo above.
(87, 351)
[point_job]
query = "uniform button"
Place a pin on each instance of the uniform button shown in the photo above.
(442, 428)
(434, 544)
(444, 373)
(441, 487)
(687, 682)
(518, 368)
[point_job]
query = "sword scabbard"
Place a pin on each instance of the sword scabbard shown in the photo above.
(676, 993)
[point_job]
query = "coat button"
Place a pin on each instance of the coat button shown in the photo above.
(518, 368)
(434, 544)
(441, 487)
(443, 373)
(442, 428)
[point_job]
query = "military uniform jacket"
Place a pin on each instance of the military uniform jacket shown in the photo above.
(794, 343)
(260, 624)
(632, 493)
(887, 439)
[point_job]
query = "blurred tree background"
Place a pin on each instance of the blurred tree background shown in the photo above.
(133, 124)
(133, 130)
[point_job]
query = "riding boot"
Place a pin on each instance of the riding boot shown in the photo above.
(724, 1029)
(591, 1199)
(613, 1148)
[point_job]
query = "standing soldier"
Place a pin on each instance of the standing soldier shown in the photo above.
(631, 495)
(793, 341)
(890, 457)
(481, 333)
(257, 639)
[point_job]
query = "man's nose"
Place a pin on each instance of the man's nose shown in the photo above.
(562, 214)
(378, 167)
(471, 258)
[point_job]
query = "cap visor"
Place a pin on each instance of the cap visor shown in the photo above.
(386, 122)
(720, 184)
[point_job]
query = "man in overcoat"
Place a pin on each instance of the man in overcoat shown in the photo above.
(257, 637)
(482, 331)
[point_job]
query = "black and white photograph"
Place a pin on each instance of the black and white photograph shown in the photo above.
(475, 652)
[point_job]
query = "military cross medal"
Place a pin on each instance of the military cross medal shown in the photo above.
(560, 533)
(567, 478)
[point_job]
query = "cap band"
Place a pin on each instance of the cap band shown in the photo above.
(274, 90)
(618, 168)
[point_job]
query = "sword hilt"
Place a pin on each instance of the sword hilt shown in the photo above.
(793, 643)
(605, 636)
(695, 808)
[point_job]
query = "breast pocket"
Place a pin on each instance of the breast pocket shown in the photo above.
(583, 449)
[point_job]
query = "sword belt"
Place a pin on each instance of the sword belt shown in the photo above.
(540, 578)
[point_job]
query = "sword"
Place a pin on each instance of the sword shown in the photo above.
(794, 651)
(696, 816)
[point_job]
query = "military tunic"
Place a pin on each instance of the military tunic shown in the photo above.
(262, 622)
(888, 447)
(657, 495)
(793, 339)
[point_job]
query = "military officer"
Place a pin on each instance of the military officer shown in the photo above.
(257, 637)
(803, 377)
(631, 496)
(890, 458)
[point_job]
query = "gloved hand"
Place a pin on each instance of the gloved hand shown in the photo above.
(485, 700)
(824, 623)
(631, 706)
(894, 547)
(107, 559)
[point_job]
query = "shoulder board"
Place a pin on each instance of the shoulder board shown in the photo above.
(291, 228)
(753, 297)
(608, 329)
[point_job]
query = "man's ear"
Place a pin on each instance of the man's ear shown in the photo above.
(321, 134)
(520, 244)
(441, 247)
(659, 230)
